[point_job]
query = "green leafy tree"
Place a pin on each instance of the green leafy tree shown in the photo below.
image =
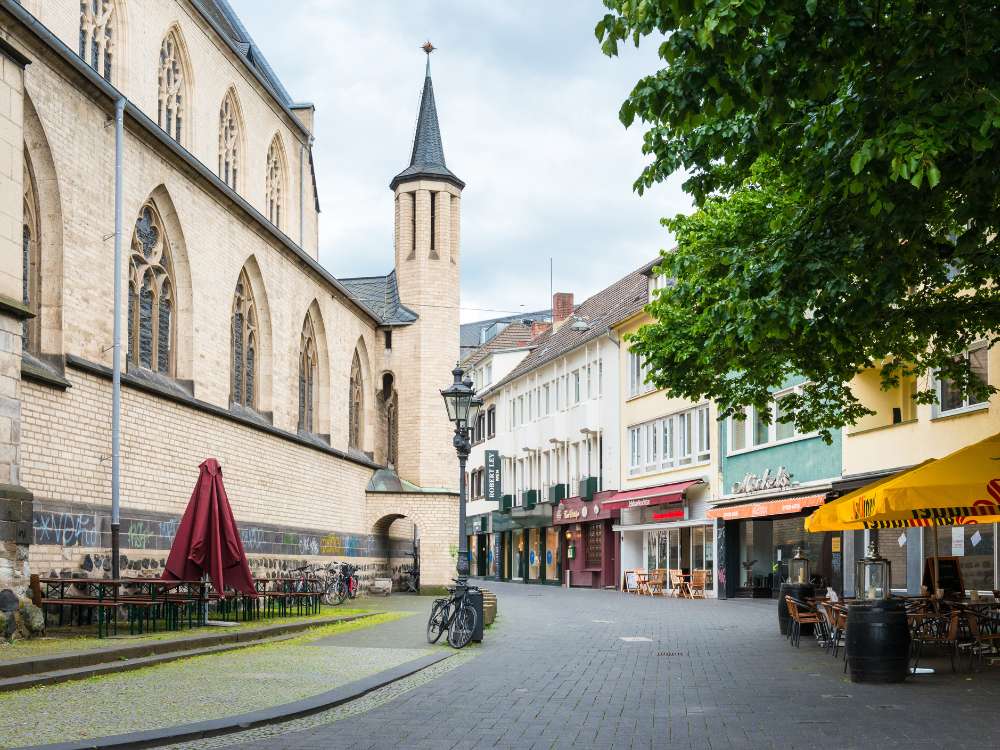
(844, 158)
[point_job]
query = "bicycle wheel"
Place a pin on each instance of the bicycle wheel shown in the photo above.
(462, 626)
(341, 592)
(329, 596)
(437, 621)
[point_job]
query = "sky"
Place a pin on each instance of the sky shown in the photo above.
(528, 107)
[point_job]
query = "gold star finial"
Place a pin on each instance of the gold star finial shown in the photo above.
(428, 47)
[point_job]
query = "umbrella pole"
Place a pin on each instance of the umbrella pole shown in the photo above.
(935, 568)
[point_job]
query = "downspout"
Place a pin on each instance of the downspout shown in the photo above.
(302, 196)
(116, 377)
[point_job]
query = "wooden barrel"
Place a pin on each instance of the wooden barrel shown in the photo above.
(489, 606)
(878, 641)
(800, 591)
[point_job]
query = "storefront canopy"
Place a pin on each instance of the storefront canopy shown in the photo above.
(659, 495)
(961, 488)
(781, 507)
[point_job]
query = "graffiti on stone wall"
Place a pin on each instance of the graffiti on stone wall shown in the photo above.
(66, 529)
(151, 532)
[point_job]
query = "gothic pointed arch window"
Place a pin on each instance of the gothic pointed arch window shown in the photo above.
(171, 96)
(245, 344)
(230, 132)
(30, 265)
(274, 184)
(308, 378)
(97, 34)
(355, 408)
(151, 295)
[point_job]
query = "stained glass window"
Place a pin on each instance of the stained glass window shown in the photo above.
(274, 182)
(150, 299)
(30, 288)
(308, 372)
(355, 404)
(244, 344)
(170, 93)
(229, 137)
(97, 34)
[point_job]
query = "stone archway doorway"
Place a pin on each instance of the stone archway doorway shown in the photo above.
(397, 538)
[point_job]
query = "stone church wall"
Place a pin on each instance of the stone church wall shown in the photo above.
(292, 502)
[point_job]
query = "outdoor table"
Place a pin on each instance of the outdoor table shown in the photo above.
(98, 593)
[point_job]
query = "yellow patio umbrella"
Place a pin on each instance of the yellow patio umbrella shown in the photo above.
(961, 488)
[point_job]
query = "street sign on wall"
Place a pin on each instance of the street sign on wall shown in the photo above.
(493, 476)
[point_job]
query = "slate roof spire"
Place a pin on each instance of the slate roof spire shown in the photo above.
(427, 156)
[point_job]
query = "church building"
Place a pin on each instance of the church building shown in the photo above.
(319, 396)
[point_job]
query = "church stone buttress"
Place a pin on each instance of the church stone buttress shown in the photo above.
(427, 253)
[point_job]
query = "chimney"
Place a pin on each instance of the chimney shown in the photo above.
(562, 307)
(538, 327)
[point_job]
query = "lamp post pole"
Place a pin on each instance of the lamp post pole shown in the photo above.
(463, 411)
(463, 447)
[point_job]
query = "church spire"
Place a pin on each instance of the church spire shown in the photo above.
(427, 156)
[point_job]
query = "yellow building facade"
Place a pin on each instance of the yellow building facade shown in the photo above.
(670, 469)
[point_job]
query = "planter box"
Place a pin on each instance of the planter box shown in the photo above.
(557, 492)
(529, 498)
(588, 487)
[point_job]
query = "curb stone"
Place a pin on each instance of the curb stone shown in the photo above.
(271, 715)
(32, 672)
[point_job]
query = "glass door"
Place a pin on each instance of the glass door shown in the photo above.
(702, 553)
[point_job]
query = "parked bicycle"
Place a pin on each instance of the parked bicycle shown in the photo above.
(456, 614)
(333, 585)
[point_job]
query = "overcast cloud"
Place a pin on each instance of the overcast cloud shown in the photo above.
(528, 107)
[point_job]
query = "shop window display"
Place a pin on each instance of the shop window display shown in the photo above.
(552, 554)
(534, 554)
(973, 545)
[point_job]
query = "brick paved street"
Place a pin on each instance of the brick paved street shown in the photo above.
(555, 672)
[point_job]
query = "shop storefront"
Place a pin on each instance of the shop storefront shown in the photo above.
(756, 540)
(589, 551)
(482, 559)
(664, 527)
(526, 547)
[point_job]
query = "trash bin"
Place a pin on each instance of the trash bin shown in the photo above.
(476, 599)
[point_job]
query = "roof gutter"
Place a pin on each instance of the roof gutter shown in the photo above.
(112, 94)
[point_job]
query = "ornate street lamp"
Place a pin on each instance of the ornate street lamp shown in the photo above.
(463, 409)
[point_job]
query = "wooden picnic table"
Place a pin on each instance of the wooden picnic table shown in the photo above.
(143, 598)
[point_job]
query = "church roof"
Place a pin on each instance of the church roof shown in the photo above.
(230, 24)
(427, 157)
(381, 294)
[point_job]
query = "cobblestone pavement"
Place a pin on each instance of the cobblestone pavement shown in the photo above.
(557, 672)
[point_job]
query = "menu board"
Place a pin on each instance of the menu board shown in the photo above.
(949, 576)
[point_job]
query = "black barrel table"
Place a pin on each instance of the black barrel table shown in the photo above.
(800, 591)
(878, 641)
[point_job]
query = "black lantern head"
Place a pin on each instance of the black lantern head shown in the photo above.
(458, 399)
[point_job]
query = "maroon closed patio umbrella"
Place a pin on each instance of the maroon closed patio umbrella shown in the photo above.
(207, 540)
